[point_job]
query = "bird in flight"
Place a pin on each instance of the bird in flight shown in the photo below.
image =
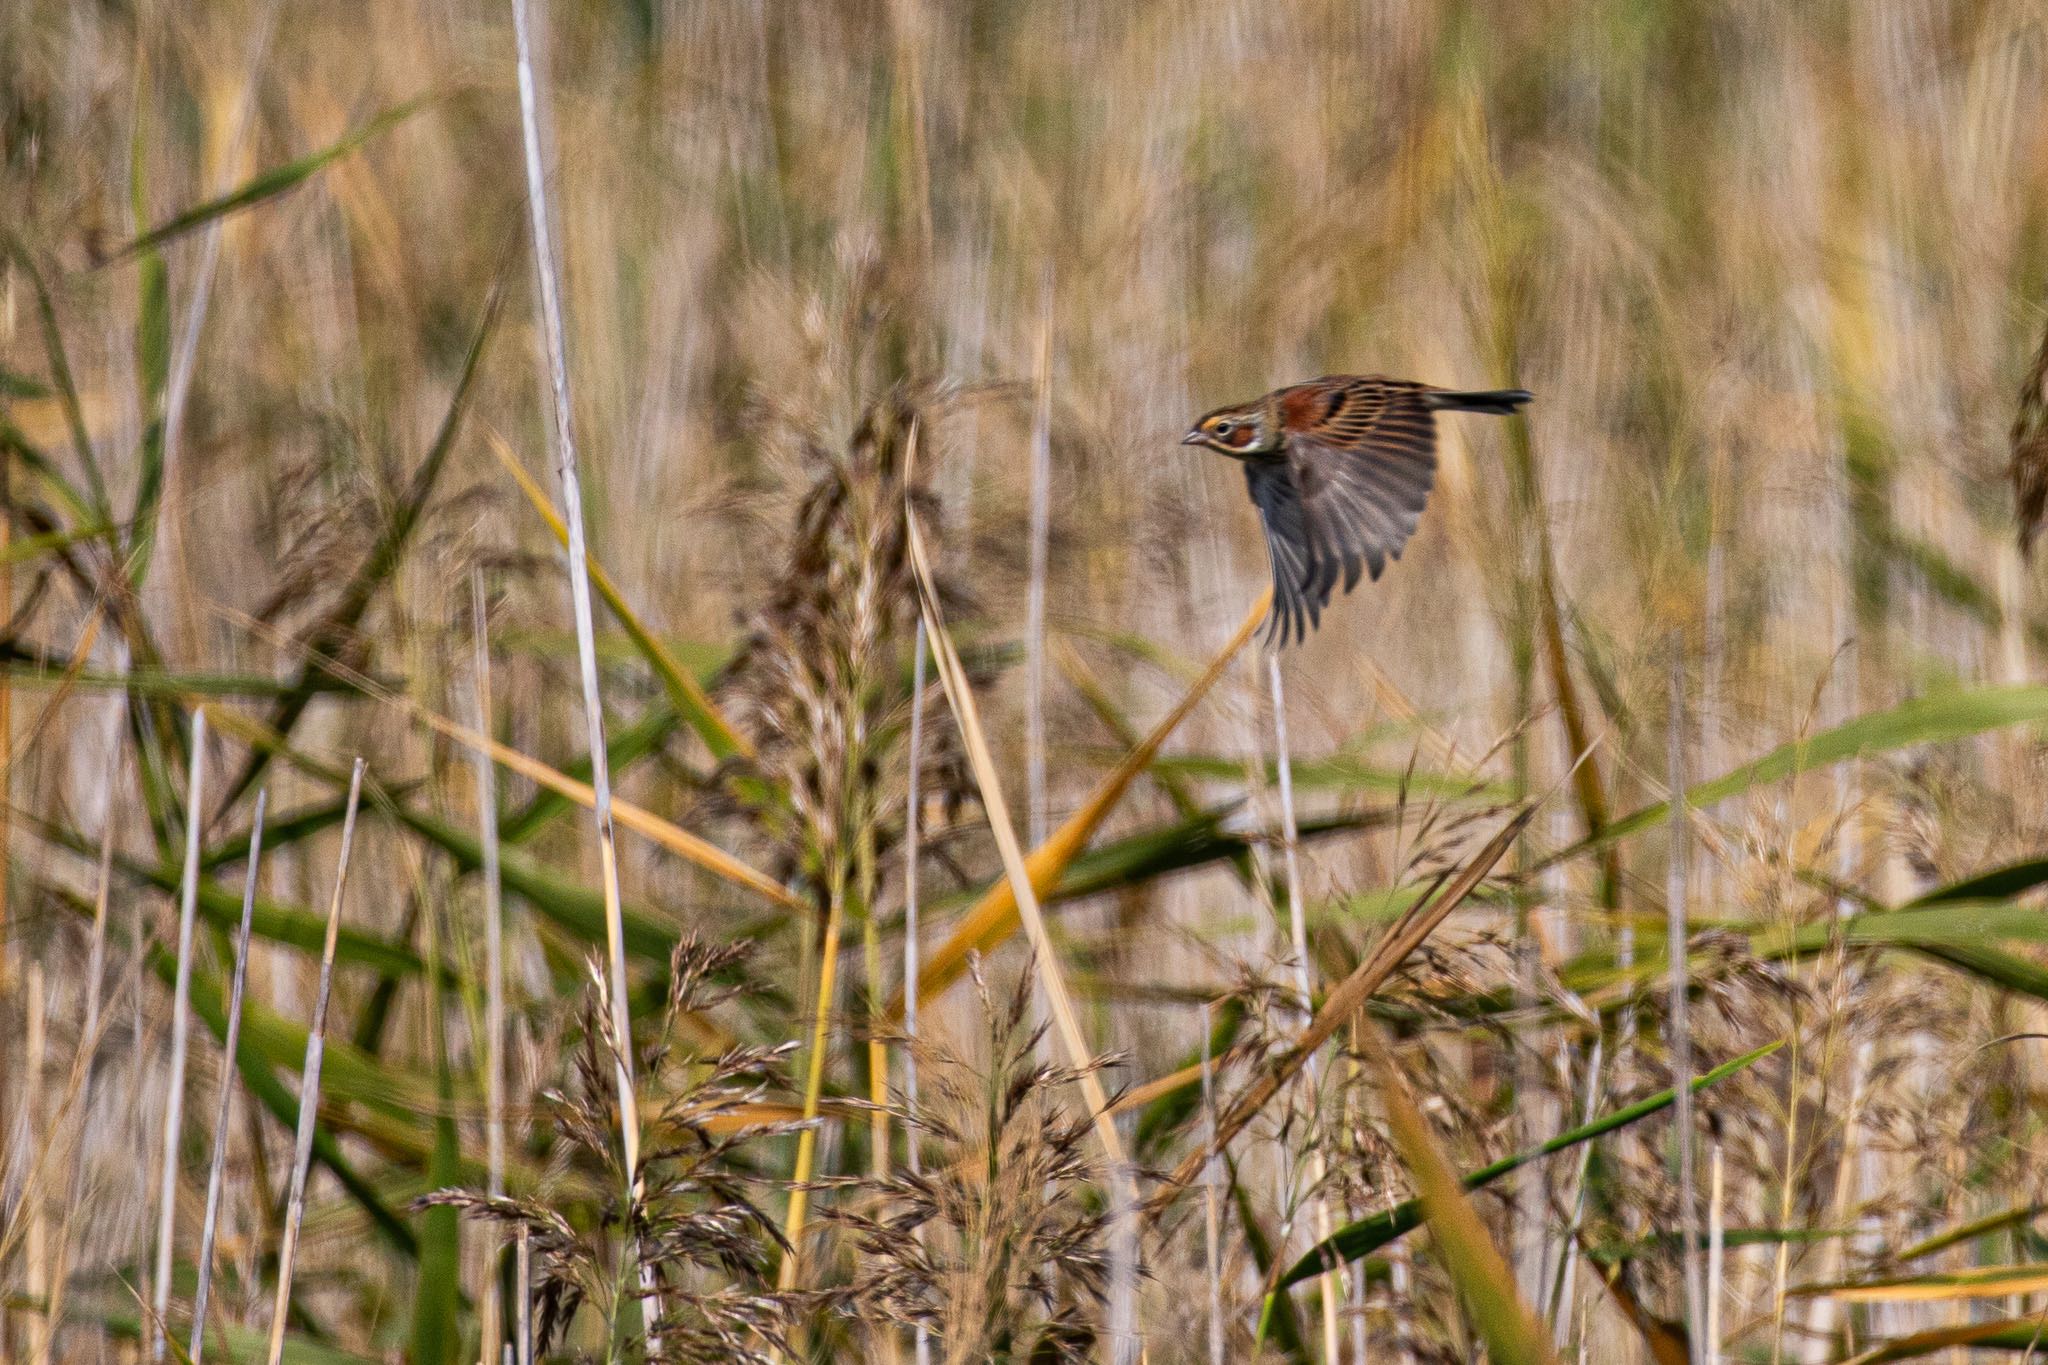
(1339, 468)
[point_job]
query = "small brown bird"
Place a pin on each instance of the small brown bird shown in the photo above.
(1339, 468)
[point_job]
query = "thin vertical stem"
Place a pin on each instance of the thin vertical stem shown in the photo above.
(1678, 1033)
(913, 811)
(1212, 1223)
(522, 1274)
(230, 1045)
(309, 1084)
(181, 991)
(494, 959)
(546, 271)
(1331, 1281)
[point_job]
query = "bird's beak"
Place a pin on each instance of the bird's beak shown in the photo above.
(1193, 438)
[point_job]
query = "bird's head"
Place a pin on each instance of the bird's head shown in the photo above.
(1238, 431)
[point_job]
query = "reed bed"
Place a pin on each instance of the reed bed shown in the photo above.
(663, 524)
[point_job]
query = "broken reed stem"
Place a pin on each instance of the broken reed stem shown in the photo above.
(1332, 1280)
(230, 1046)
(494, 960)
(912, 814)
(181, 990)
(309, 1084)
(1679, 1038)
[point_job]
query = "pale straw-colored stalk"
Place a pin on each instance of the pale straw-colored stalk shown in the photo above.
(309, 1080)
(181, 991)
(231, 1042)
(547, 276)
(522, 1275)
(494, 960)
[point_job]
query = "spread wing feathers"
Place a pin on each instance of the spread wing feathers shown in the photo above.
(1358, 465)
(1272, 489)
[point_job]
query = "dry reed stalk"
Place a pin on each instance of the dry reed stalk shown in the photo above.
(494, 958)
(174, 1096)
(1331, 1282)
(309, 1082)
(1343, 1001)
(1678, 1034)
(522, 1309)
(230, 1049)
(912, 817)
(546, 270)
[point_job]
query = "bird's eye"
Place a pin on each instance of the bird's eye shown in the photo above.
(1225, 428)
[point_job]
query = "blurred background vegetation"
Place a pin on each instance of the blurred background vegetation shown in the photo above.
(270, 355)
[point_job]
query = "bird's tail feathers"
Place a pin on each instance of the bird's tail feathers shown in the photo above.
(1499, 402)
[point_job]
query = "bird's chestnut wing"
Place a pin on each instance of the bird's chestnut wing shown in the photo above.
(1362, 453)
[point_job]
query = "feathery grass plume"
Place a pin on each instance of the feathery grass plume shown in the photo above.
(708, 1244)
(820, 683)
(999, 1248)
(819, 678)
